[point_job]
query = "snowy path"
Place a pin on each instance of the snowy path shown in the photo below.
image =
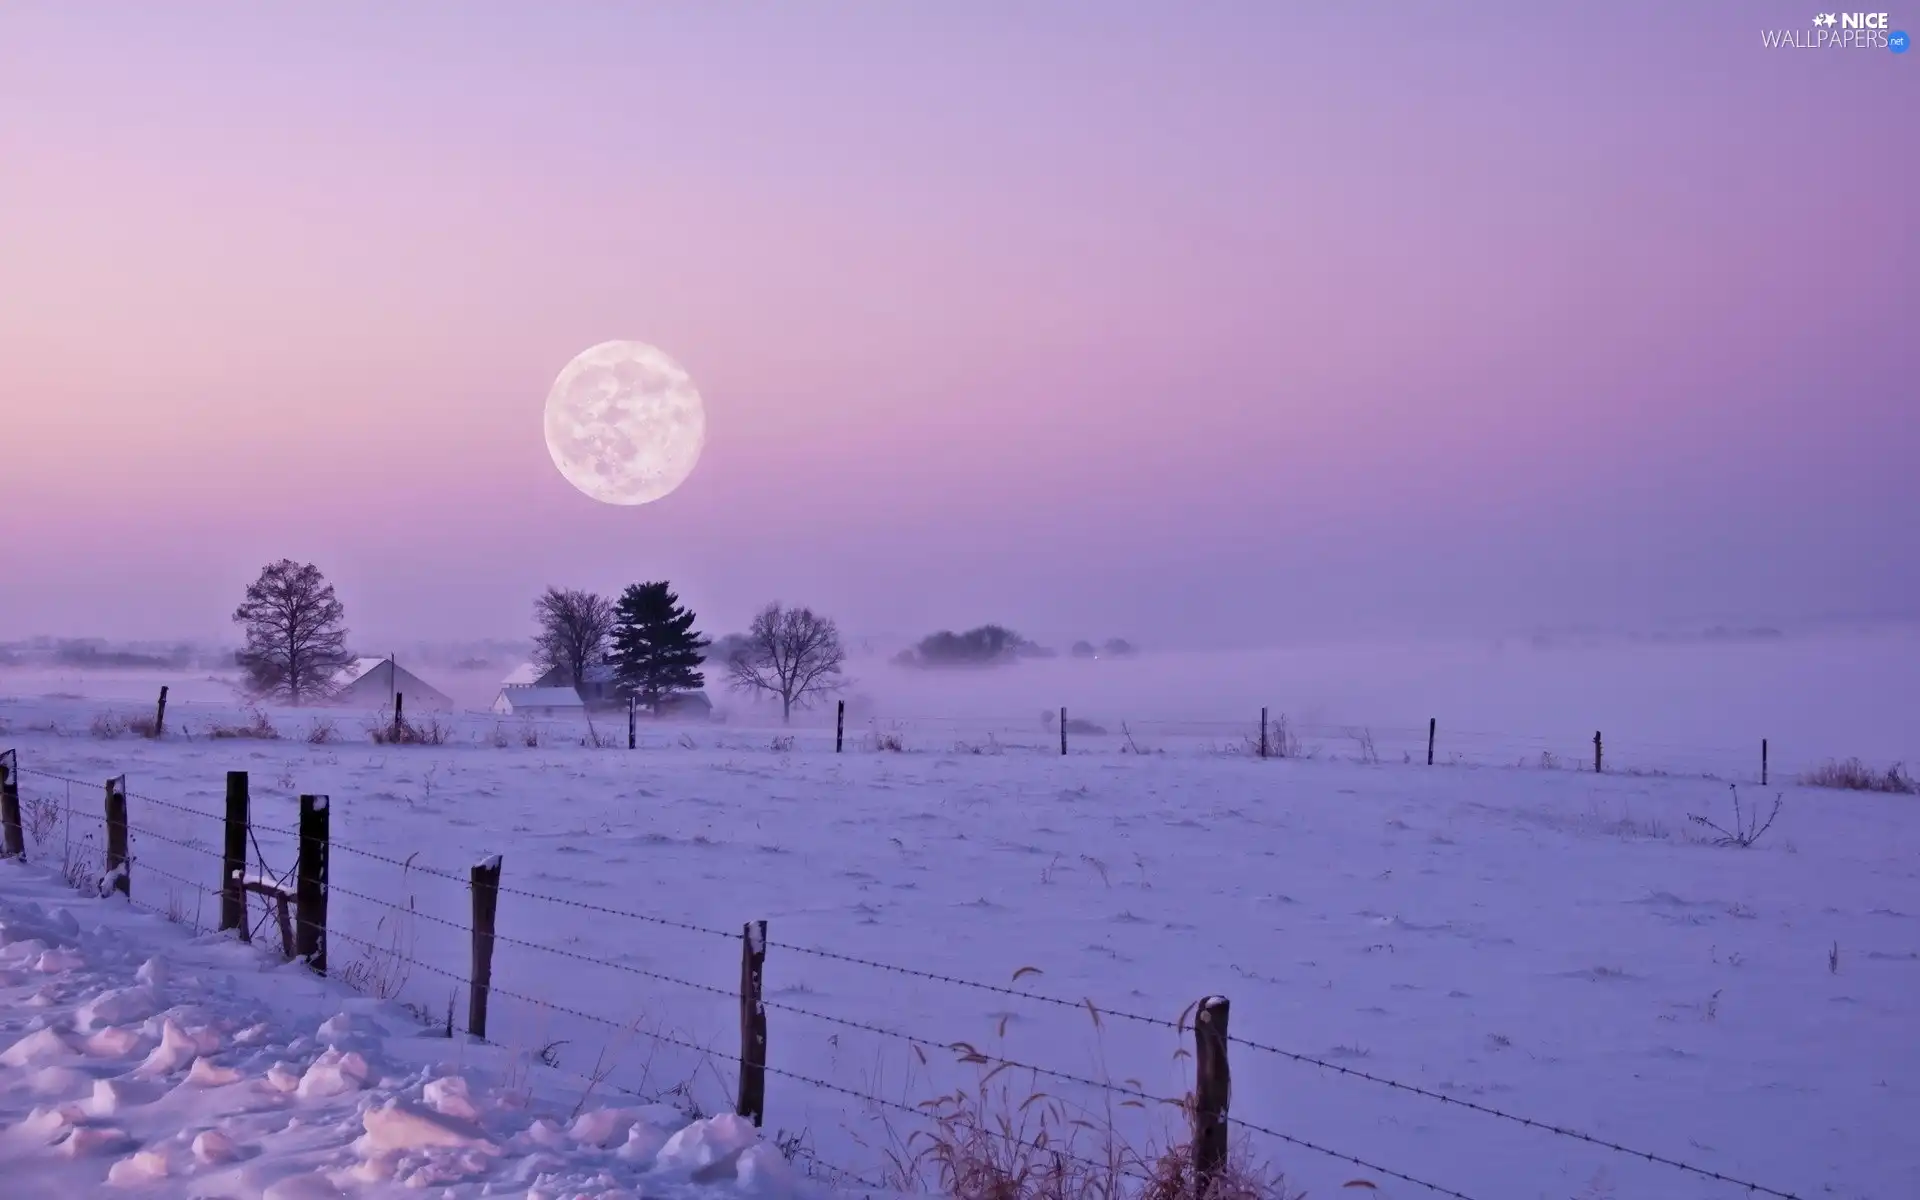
(135, 1058)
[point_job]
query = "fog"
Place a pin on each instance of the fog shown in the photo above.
(1701, 701)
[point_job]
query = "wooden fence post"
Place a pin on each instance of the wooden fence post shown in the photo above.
(1063, 730)
(1433, 729)
(633, 722)
(839, 726)
(753, 1023)
(233, 864)
(13, 836)
(160, 713)
(1212, 1092)
(1596, 752)
(399, 721)
(119, 870)
(1763, 762)
(1263, 733)
(310, 885)
(485, 883)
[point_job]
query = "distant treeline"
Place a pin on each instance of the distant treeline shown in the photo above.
(994, 645)
(99, 654)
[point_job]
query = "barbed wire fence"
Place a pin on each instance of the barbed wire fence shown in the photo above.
(859, 727)
(110, 847)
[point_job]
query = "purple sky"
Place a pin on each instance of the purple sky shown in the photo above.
(1198, 322)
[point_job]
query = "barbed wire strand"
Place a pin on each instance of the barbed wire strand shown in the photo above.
(1017, 993)
(668, 1039)
(970, 1054)
(1294, 1056)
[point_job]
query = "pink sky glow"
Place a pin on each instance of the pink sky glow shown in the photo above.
(1190, 322)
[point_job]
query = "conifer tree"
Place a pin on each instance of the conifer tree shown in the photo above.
(656, 651)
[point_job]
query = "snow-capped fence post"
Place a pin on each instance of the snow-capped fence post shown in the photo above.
(1212, 1091)
(839, 726)
(1263, 732)
(310, 885)
(1063, 731)
(399, 721)
(119, 870)
(1596, 752)
(753, 1023)
(1433, 730)
(1763, 762)
(485, 884)
(15, 836)
(160, 713)
(633, 722)
(233, 863)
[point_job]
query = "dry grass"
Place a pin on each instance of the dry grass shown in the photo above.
(107, 726)
(321, 731)
(1008, 1139)
(1281, 741)
(40, 818)
(1855, 776)
(258, 727)
(1363, 747)
(1747, 827)
(384, 963)
(1004, 1141)
(386, 730)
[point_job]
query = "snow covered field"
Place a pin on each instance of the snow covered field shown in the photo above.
(1550, 943)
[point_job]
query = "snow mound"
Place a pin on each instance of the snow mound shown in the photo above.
(126, 1076)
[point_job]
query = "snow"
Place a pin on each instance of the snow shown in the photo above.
(182, 1089)
(1543, 941)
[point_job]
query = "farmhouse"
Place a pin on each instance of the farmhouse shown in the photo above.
(523, 676)
(527, 701)
(600, 691)
(374, 682)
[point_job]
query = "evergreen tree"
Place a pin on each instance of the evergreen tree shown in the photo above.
(655, 649)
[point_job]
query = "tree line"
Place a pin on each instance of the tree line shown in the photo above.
(646, 636)
(296, 642)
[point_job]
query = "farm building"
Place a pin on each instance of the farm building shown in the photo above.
(523, 676)
(599, 690)
(523, 701)
(374, 682)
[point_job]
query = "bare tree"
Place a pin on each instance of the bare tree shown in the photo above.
(792, 653)
(296, 633)
(574, 627)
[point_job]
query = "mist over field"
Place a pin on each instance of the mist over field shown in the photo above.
(1703, 698)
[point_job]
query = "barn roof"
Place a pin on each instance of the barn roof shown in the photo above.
(524, 675)
(355, 670)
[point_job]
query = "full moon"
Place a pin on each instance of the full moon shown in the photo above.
(624, 423)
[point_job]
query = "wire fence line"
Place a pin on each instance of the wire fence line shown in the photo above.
(965, 1052)
(1102, 728)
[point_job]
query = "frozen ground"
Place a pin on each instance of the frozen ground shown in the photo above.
(1546, 942)
(137, 1059)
